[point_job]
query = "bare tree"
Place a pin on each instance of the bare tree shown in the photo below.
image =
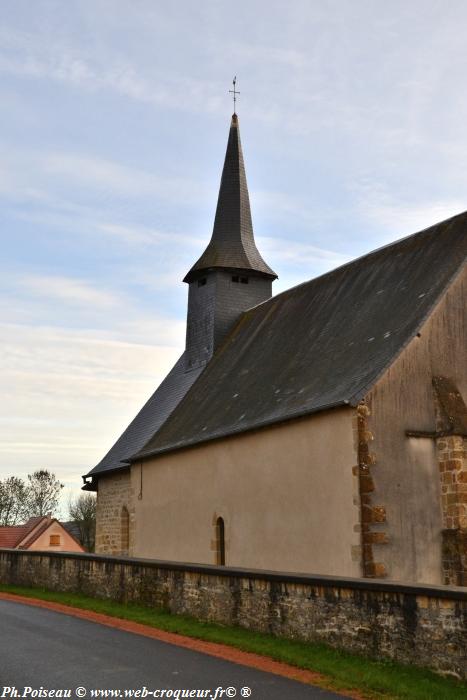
(43, 493)
(82, 511)
(13, 501)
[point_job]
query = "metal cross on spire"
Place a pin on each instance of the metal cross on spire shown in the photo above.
(234, 93)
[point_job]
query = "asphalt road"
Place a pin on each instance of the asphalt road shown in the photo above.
(40, 648)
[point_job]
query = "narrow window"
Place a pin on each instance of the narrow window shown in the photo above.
(220, 541)
(54, 541)
(235, 278)
(125, 530)
(202, 282)
(244, 280)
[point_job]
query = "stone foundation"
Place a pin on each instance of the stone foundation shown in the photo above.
(415, 624)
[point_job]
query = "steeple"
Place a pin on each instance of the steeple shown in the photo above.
(231, 276)
(232, 244)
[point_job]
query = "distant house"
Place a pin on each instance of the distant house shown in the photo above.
(41, 533)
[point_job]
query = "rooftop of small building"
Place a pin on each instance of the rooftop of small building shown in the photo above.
(11, 536)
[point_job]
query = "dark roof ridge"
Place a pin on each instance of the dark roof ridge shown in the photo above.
(370, 254)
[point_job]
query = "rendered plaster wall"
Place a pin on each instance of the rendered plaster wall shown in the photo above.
(405, 471)
(424, 626)
(287, 494)
(115, 514)
(67, 542)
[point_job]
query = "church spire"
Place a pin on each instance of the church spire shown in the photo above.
(232, 245)
(231, 276)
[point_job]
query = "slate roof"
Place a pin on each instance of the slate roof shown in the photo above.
(232, 244)
(155, 411)
(320, 345)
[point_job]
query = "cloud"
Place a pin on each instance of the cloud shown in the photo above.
(379, 206)
(135, 233)
(69, 290)
(92, 171)
(63, 180)
(28, 56)
(405, 218)
(298, 253)
(70, 393)
(109, 310)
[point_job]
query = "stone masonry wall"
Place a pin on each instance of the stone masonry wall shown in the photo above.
(115, 514)
(420, 625)
(372, 515)
(452, 460)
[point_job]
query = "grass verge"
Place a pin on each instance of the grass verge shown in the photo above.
(343, 671)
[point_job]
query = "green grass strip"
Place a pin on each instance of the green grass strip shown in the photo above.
(344, 671)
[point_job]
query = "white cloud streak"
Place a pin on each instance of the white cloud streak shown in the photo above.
(69, 394)
(72, 291)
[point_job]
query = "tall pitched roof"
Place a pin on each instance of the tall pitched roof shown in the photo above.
(320, 345)
(232, 245)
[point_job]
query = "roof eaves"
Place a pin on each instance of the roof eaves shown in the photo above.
(125, 464)
(36, 524)
(32, 536)
(140, 456)
(196, 271)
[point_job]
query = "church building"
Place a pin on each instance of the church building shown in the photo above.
(322, 430)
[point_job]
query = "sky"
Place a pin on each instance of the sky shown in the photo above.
(113, 126)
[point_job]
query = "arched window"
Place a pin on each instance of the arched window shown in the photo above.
(220, 541)
(125, 530)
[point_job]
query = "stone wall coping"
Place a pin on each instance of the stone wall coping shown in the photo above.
(366, 584)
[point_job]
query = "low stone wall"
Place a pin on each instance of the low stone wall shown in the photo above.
(421, 625)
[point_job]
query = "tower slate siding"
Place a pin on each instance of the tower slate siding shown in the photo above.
(231, 276)
(215, 306)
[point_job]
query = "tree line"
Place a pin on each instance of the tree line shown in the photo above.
(39, 495)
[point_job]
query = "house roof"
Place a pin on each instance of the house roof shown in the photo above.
(23, 536)
(153, 414)
(232, 245)
(12, 535)
(320, 345)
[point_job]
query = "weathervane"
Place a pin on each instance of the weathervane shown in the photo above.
(234, 93)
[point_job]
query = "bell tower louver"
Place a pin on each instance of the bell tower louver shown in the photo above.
(230, 276)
